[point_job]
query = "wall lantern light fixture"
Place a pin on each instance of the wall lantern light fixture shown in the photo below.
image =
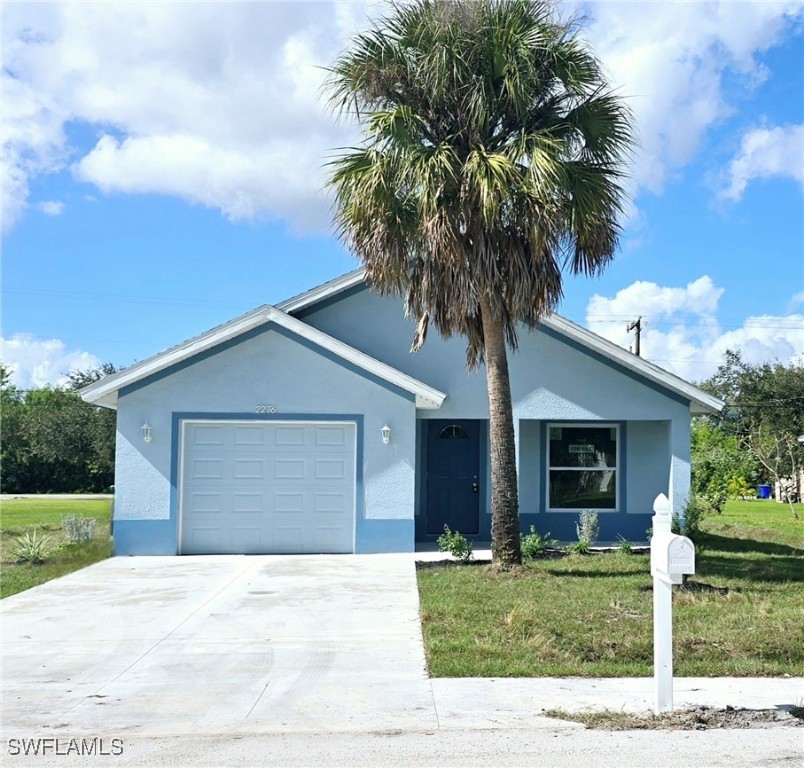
(386, 434)
(146, 432)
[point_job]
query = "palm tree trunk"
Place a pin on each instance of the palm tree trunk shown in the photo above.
(505, 545)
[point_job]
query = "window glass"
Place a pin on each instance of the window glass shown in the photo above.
(570, 489)
(453, 432)
(582, 467)
(583, 447)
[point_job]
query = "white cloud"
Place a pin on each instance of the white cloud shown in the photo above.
(216, 103)
(682, 333)
(669, 59)
(766, 152)
(51, 207)
(38, 362)
(219, 104)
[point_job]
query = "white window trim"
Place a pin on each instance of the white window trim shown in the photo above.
(616, 467)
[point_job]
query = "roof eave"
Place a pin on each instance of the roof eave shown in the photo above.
(700, 402)
(322, 292)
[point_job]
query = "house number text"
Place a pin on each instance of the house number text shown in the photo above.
(266, 409)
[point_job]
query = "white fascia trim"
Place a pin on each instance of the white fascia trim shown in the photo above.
(426, 396)
(322, 292)
(700, 402)
(104, 392)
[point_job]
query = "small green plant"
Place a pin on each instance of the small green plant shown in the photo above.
(78, 529)
(31, 548)
(579, 548)
(625, 547)
(534, 544)
(456, 544)
(697, 508)
(587, 527)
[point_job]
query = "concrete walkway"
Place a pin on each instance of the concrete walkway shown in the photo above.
(237, 645)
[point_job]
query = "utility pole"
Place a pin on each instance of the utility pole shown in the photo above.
(636, 325)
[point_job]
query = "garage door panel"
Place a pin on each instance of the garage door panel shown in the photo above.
(288, 539)
(208, 435)
(249, 469)
(329, 502)
(272, 487)
(202, 503)
(289, 502)
(289, 436)
(330, 469)
(289, 469)
(331, 435)
(249, 436)
(207, 469)
(248, 503)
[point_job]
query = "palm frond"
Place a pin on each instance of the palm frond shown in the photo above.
(492, 157)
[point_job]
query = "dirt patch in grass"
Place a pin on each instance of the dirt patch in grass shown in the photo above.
(698, 719)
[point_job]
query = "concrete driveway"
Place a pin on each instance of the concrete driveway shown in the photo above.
(222, 644)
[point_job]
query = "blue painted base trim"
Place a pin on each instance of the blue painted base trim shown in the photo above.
(145, 537)
(561, 525)
(377, 536)
(158, 537)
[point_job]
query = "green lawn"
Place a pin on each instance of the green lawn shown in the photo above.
(17, 516)
(592, 615)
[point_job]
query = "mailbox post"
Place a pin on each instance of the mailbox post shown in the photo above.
(671, 557)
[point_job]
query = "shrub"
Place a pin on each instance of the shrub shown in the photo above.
(31, 548)
(738, 488)
(78, 529)
(625, 546)
(697, 508)
(534, 544)
(587, 527)
(579, 547)
(456, 544)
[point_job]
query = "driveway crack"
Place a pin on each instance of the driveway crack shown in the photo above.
(262, 693)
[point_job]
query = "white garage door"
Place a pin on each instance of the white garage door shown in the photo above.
(267, 487)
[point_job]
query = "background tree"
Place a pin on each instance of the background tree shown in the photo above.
(721, 464)
(765, 413)
(54, 442)
(491, 158)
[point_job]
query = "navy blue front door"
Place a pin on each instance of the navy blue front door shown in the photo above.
(453, 476)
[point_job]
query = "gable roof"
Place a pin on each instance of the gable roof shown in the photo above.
(322, 292)
(104, 391)
(700, 402)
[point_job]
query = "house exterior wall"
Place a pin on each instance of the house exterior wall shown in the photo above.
(552, 380)
(264, 367)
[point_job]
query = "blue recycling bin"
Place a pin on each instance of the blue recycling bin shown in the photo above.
(764, 491)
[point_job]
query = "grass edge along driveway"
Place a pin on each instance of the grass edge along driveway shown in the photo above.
(44, 515)
(591, 615)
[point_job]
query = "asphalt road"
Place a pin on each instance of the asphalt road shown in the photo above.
(555, 748)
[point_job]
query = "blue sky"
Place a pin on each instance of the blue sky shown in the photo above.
(162, 173)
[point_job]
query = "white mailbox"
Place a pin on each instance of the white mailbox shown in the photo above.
(671, 557)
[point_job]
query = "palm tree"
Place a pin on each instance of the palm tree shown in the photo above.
(492, 156)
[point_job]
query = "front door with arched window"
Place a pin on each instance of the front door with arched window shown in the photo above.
(453, 476)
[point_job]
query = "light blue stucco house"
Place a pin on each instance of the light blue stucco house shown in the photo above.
(310, 427)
